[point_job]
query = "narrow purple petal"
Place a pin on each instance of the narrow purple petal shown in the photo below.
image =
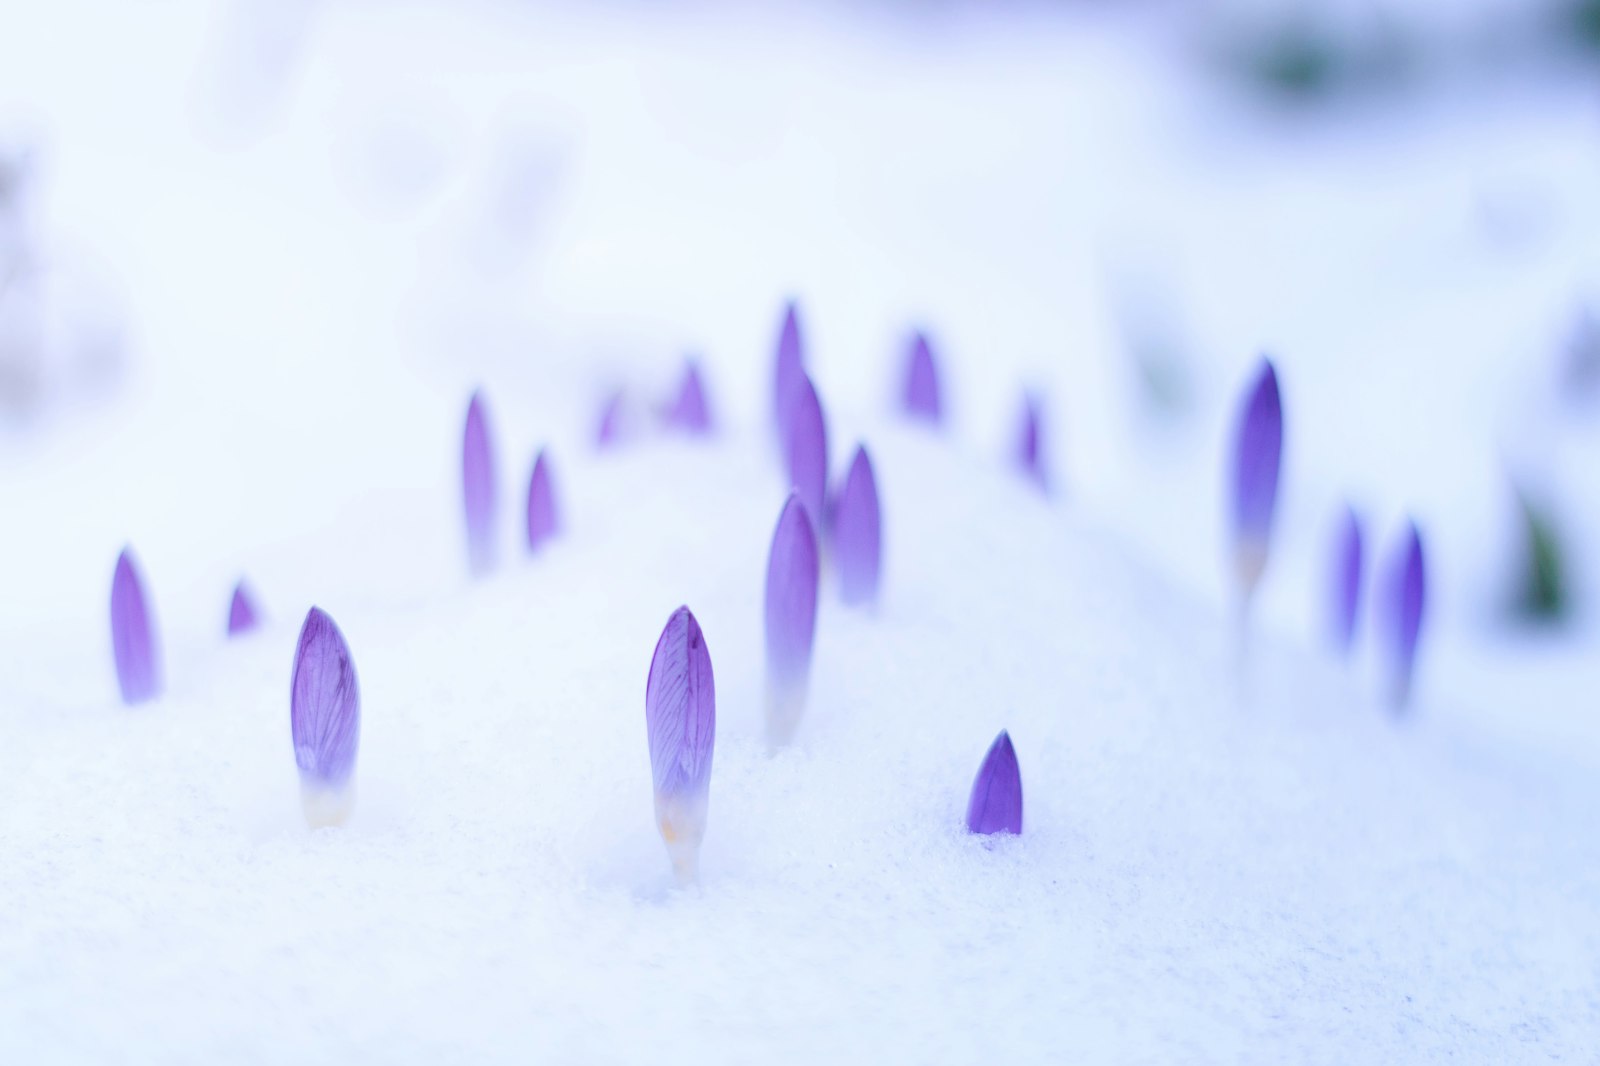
(689, 411)
(996, 803)
(922, 381)
(856, 536)
(242, 613)
(1030, 456)
(789, 369)
(1258, 449)
(324, 705)
(791, 616)
(543, 521)
(680, 712)
(478, 488)
(610, 429)
(1407, 596)
(1346, 598)
(806, 449)
(133, 640)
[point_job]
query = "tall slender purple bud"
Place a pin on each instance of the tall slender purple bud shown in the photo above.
(806, 450)
(609, 430)
(1257, 452)
(242, 613)
(789, 369)
(1407, 594)
(922, 399)
(1346, 591)
(133, 637)
(689, 411)
(543, 520)
(1030, 454)
(324, 720)
(996, 803)
(791, 620)
(680, 713)
(478, 488)
(857, 539)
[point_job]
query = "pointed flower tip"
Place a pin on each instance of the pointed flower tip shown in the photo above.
(609, 431)
(996, 803)
(478, 486)
(1258, 450)
(680, 708)
(922, 399)
(543, 519)
(857, 536)
(1030, 457)
(324, 712)
(242, 614)
(788, 367)
(1408, 594)
(806, 449)
(133, 642)
(690, 412)
(791, 619)
(1347, 564)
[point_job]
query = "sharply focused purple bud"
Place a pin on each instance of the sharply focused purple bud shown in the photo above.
(857, 540)
(922, 382)
(689, 411)
(242, 614)
(1030, 454)
(791, 619)
(1407, 594)
(1346, 592)
(543, 522)
(996, 803)
(610, 428)
(324, 719)
(1258, 447)
(790, 368)
(680, 713)
(478, 488)
(133, 638)
(806, 449)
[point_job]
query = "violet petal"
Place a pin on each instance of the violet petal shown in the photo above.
(806, 450)
(857, 538)
(1258, 450)
(788, 370)
(242, 613)
(1407, 595)
(324, 713)
(791, 618)
(996, 803)
(478, 488)
(922, 381)
(1346, 598)
(680, 710)
(543, 520)
(689, 411)
(1030, 457)
(610, 428)
(133, 639)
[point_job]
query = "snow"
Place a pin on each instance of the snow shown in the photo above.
(1218, 864)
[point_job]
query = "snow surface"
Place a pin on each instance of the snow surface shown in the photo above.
(317, 260)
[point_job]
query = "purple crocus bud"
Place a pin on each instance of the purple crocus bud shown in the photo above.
(542, 520)
(133, 638)
(806, 449)
(242, 613)
(610, 429)
(324, 719)
(1258, 448)
(1407, 595)
(789, 370)
(1346, 597)
(996, 803)
(1030, 457)
(689, 411)
(680, 714)
(478, 488)
(858, 546)
(922, 382)
(791, 619)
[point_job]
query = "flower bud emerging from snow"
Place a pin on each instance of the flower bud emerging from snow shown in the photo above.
(1407, 594)
(324, 720)
(1345, 581)
(1030, 457)
(921, 399)
(543, 522)
(996, 803)
(788, 370)
(806, 449)
(242, 614)
(689, 411)
(133, 640)
(857, 544)
(680, 713)
(791, 620)
(1258, 446)
(610, 429)
(478, 488)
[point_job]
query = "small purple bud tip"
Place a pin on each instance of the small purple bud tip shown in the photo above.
(543, 522)
(689, 411)
(324, 719)
(1258, 449)
(791, 619)
(242, 613)
(806, 450)
(133, 641)
(922, 382)
(1407, 597)
(789, 369)
(1346, 598)
(680, 713)
(1030, 459)
(996, 804)
(610, 428)
(478, 488)
(856, 536)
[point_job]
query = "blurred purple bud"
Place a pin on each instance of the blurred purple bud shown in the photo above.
(806, 449)
(1346, 581)
(324, 717)
(1258, 449)
(689, 411)
(610, 428)
(791, 619)
(680, 712)
(543, 522)
(1030, 457)
(242, 614)
(996, 804)
(1407, 597)
(790, 368)
(478, 488)
(922, 381)
(133, 640)
(856, 537)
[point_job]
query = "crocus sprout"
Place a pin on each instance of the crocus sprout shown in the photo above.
(1258, 447)
(996, 803)
(680, 712)
(1030, 452)
(1407, 594)
(788, 369)
(1346, 572)
(857, 539)
(791, 620)
(609, 431)
(543, 519)
(242, 614)
(806, 449)
(478, 488)
(133, 637)
(690, 412)
(324, 720)
(921, 399)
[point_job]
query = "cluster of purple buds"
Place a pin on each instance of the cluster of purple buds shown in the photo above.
(324, 720)
(680, 712)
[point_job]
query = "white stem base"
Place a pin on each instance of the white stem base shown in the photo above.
(325, 806)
